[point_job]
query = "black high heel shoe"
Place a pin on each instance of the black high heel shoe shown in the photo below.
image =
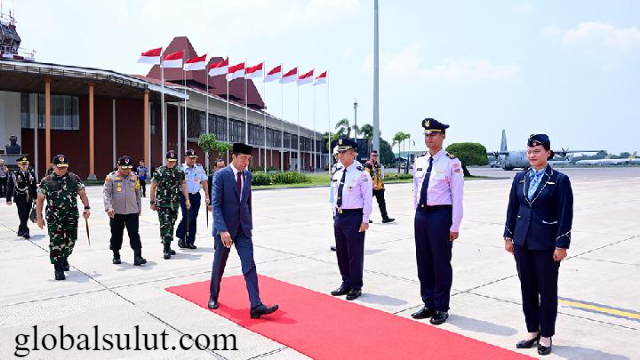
(526, 344)
(543, 350)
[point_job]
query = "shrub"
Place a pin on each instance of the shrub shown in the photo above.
(261, 178)
(397, 176)
(290, 177)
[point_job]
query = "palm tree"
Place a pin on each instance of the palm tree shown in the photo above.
(343, 127)
(367, 133)
(325, 137)
(398, 138)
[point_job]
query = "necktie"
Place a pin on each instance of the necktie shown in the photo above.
(239, 182)
(534, 182)
(425, 184)
(344, 176)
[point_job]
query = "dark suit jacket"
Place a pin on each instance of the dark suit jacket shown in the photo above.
(544, 222)
(229, 210)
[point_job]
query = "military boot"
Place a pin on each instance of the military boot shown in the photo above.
(59, 271)
(65, 264)
(137, 258)
(167, 250)
(116, 257)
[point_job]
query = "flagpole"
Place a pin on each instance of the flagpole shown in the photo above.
(162, 110)
(282, 120)
(314, 130)
(298, 87)
(246, 108)
(329, 118)
(264, 94)
(186, 146)
(206, 73)
(228, 138)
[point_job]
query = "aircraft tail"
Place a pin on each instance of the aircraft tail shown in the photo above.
(503, 143)
(633, 156)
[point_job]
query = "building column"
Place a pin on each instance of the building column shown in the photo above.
(92, 170)
(47, 112)
(147, 130)
(115, 152)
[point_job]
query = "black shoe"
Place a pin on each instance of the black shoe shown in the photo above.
(137, 258)
(354, 294)
(388, 220)
(65, 265)
(213, 303)
(181, 244)
(116, 258)
(543, 350)
(20, 233)
(340, 291)
(370, 221)
(26, 236)
(333, 248)
(261, 309)
(59, 272)
(191, 246)
(167, 251)
(423, 313)
(526, 344)
(439, 317)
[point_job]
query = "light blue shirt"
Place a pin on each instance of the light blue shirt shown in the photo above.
(534, 181)
(194, 176)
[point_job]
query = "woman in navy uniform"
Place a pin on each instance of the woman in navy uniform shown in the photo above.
(538, 233)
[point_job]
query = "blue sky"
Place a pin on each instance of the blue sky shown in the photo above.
(566, 68)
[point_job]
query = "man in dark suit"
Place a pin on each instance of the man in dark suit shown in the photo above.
(231, 202)
(538, 234)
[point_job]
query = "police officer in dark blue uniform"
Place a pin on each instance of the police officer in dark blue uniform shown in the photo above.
(538, 234)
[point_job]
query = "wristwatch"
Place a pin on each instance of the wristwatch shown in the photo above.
(152, 202)
(87, 207)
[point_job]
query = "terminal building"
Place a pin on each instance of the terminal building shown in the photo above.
(95, 115)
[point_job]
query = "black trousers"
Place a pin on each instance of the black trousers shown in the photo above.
(24, 208)
(350, 248)
(538, 274)
(118, 223)
(3, 186)
(143, 187)
(379, 194)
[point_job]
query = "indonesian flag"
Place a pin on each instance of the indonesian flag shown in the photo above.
(321, 79)
(196, 63)
(306, 78)
(151, 56)
(255, 71)
(173, 60)
(235, 71)
(219, 68)
(290, 76)
(274, 74)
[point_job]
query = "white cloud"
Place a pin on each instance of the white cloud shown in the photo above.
(407, 64)
(599, 34)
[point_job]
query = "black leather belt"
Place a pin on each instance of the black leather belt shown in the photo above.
(347, 211)
(434, 207)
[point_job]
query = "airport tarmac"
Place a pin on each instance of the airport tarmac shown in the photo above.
(599, 312)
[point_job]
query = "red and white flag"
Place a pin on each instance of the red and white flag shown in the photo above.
(306, 78)
(151, 56)
(196, 63)
(255, 71)
(219, 68)
(274, 74)
(235, 71)
(321, 79)
(173, 60)
(290, 76)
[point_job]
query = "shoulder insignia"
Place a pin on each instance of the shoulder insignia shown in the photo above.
(107, 179)
(451, 156)
(423, 154)
(360, 168)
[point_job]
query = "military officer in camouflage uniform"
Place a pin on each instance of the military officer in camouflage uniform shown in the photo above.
(121, 196)
(21, 189)
(168, 181)
(61, 190)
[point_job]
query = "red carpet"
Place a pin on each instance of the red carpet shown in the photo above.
(323, 327)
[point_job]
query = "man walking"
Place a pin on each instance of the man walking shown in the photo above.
(21, 189)
(194, 176)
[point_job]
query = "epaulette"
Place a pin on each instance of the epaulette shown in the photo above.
(451, 156)
(360, 168)
(423, 154)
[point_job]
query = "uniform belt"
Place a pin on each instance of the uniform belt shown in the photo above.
(347, 211)
(434, 207)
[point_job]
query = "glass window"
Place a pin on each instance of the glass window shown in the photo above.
(64, 112)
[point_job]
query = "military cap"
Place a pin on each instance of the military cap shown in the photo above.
(13, 137)
(22, 160)
(191, 153)
(242, 148)
(346, 144)
(60, 161)
(431, 125)
(539, 139)
(171, 156)
(125, 162)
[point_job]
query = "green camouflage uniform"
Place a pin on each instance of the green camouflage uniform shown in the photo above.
(168, 187)
(62, 213)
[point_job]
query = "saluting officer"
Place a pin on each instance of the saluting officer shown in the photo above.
(195, 176)
(121, 195)
(61, 190)
(352, 193)
(168, 181)
(437, 197)
(21, 189)
(538, 234)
